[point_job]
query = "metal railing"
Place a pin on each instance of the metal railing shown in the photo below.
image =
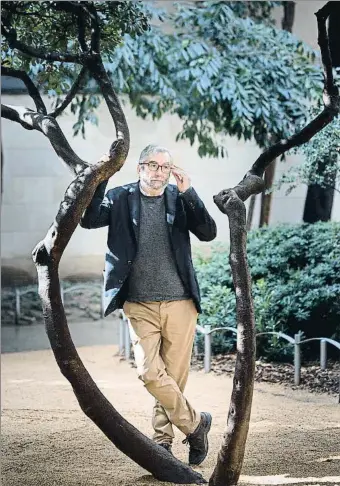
(19, 292)
(124, 335)
(125, 344)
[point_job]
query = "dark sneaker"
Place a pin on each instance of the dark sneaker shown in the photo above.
(166, 446)
(198, 440)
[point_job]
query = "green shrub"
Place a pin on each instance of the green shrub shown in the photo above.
(295, 272)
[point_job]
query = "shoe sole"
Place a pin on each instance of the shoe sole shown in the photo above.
(206, 442)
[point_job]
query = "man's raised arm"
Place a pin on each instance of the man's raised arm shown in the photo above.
(97, 214)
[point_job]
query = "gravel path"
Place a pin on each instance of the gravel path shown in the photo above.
(294, 435)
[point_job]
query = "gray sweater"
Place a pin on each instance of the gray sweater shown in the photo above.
(154, 275)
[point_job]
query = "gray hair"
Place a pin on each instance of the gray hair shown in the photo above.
(153, 149)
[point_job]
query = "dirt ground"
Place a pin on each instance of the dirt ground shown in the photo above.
(294, 435)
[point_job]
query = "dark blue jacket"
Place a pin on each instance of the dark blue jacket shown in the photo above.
(120, 211)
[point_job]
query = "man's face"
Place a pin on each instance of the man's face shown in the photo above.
(155, 179)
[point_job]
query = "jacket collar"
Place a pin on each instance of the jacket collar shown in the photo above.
(170, 195)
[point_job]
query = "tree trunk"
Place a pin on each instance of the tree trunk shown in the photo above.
(231, 202)
(319, 199)
(250, 214)
(47, 255)
(288, 16)
(318, 204)
(155, 459)
(266, 199)
(334, 35)
(231, 454)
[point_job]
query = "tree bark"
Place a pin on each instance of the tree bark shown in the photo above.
(266, 199)
(231, 454)
(250, 214)
(288, 16)
(231, 202)
(319, 199)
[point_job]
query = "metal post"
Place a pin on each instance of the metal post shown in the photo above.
(102, 303)
(17, 305)
(297, 359)
(323, 354)
(127, 340)
(195, 346)
(121, 335)
(207, 348)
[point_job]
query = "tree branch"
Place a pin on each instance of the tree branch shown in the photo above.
(16, 114)
(77, 85)
(331, 109)
(97, 70)
(31, 87)
(31, 51)
(47, 125)
(82, 30)
(78, 10)
(95, 29)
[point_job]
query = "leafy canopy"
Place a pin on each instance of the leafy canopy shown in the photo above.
(220, 66)
(220, 73)
(66, 27)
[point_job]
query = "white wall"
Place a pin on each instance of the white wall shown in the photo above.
(35, 179)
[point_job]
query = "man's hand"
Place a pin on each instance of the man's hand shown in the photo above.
(182, 179)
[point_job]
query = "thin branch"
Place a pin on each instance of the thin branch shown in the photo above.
(82, 30)
(303, 136)
(323, 41)
(31, 120)
(78, 10)
(15, 114)
(31, 51)
(31, 87)
(77, 85)
(95, 29)
(97, 70)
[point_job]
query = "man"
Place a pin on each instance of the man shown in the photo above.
(149, 272)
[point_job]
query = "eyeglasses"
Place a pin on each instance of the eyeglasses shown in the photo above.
(154, 166)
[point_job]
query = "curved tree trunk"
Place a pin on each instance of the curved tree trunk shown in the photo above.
(48, 252)
(231, 202)
(47, 255)
(155, 459)
(230, 456)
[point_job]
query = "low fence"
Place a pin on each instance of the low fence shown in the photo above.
(19, 292)
(124, 335)
(125, 344)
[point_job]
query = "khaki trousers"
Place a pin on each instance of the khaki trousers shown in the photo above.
(162, 335)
